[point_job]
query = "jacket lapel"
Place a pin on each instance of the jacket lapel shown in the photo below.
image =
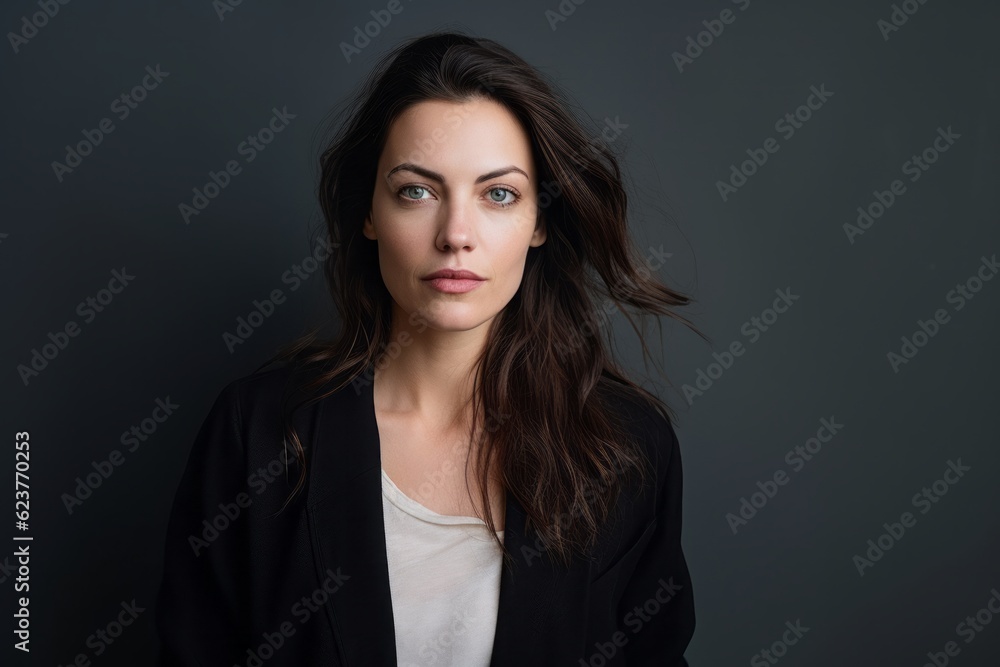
(543, 613)
(542, 608)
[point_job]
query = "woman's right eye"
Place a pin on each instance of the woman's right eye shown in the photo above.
(409, 190)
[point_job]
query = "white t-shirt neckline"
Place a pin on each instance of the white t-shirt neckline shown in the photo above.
(420, 511)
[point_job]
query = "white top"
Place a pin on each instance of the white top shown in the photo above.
(444, 577)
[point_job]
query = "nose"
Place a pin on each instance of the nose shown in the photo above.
(457, 227)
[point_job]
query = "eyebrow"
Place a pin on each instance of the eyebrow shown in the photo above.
(433, 175)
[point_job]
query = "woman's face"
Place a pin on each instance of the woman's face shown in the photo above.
(455, 189)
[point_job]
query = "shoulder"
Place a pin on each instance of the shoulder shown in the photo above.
(263, 391)
(268, 402)
(250, 409)
(260, 387)
(250, 393)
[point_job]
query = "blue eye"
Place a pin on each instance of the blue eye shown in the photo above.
(411, 188)
(501, 201)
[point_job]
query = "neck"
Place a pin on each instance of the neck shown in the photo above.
(428, 373)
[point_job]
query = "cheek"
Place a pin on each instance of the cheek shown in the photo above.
(506, 260)
(395, 263)
(505, 243)
(402, 233)
(398, 247)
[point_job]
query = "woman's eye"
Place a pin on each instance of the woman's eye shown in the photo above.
(409, 189)
(503, 200)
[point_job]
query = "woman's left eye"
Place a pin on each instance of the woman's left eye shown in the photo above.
(503, 201)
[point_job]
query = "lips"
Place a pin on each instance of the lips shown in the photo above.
(453, 274)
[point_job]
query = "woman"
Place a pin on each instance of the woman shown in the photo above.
(463, 476)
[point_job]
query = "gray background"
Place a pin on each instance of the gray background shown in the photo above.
(824, 358)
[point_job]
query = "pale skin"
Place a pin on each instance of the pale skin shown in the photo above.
(423, 222)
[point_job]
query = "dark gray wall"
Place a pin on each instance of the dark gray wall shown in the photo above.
(824, 358)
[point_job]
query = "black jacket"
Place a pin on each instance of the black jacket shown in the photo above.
(246, 585)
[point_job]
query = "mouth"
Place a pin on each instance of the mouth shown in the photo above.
(453, 274)
(453, 281)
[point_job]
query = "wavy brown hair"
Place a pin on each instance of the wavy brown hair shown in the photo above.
(553, 440)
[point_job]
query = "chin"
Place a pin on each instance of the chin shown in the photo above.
(455, 323)
(442, 316)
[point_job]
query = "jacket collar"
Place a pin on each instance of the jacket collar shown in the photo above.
(542, 607)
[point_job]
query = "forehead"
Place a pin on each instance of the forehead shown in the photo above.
(459, 139)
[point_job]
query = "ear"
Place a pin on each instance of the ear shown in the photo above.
(368, 229)
(540, 233)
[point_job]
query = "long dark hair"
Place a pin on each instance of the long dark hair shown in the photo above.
(551, 438)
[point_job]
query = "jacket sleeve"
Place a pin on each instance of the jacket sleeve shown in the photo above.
(203, 590)
(657, 604)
